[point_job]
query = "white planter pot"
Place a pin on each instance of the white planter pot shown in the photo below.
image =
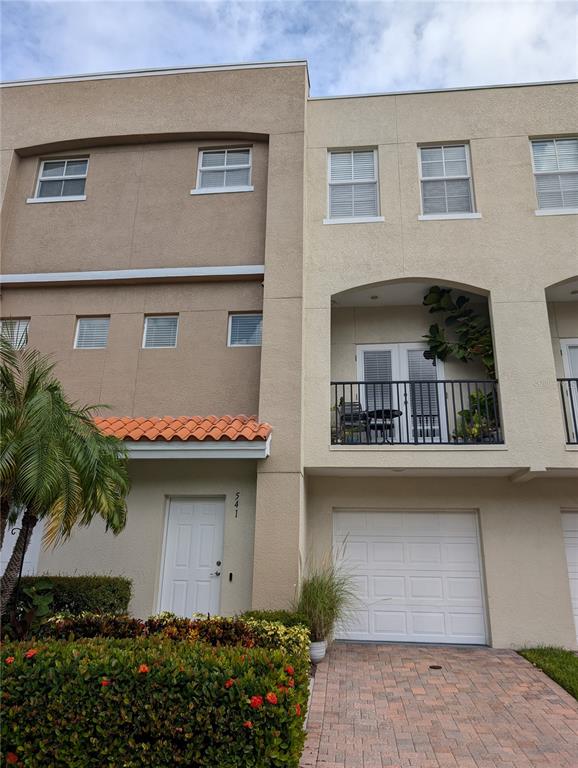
(317, 651)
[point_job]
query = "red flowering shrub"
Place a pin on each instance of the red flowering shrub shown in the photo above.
(256, 702)
(188, 713)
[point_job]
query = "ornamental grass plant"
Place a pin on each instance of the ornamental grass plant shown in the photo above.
(326, 597)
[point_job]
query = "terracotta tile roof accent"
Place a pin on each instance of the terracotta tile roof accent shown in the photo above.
(185, 428)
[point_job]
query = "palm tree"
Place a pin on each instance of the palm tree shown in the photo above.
(55, 465)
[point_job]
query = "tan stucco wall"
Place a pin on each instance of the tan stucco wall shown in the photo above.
(526, 580)
(510, 254)
(137, 551)
(148, 382)
(138, 212)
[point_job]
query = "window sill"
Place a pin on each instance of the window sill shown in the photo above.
(355, 220)
(556, 211)
(448, 216)
(220, 190)
(71, 199)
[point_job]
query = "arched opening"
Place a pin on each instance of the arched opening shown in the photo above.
(562, 301)
(412, 363)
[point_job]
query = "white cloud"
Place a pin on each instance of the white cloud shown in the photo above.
(351, 46)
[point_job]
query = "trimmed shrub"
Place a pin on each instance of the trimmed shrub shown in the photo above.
(76, 594)
(215, 631)
(287, 618)
(149, 701)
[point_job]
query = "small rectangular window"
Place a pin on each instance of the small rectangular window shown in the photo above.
(446, 180)
(221, 169)
(15, 331)
(556, 172)
(245, 330)
(62, 179)
(353, 184)
(91, 332)
(160, 331)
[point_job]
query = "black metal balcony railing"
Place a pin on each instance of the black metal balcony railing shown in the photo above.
(569, 397)
(457, 412)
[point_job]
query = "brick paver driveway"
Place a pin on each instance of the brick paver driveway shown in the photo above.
(381, 705)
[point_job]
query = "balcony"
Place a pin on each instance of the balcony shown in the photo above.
(569, 398)
(416, 412)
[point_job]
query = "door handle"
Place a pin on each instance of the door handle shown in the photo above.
(216, 573)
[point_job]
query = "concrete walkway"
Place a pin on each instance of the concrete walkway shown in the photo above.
(381, 706)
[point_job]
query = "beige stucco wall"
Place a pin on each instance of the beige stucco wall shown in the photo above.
(134, 381)
(138, 212)
(510, 254)
(137, 552)
(526, 580)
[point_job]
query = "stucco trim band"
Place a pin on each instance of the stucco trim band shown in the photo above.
(240, 449)
(125, 276)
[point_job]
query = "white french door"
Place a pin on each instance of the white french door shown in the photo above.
(193, 553)
(570, 359)
(422, 405)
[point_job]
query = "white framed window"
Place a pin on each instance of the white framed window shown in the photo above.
(446, 182)
(91, 332)
(353, 186)
(245, 330)
(60, 180)
(555, 165)
(160, 331)
(15, 331)
(224, 170)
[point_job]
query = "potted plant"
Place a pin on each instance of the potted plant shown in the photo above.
(325, 597)
(477, 424)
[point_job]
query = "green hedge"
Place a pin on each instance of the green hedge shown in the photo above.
(75, 594)
(287, 618)
(150, 701)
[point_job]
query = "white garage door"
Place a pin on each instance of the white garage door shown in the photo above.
(417, 576)
(570, 526)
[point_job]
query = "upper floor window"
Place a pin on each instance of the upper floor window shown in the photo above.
(245, 330)
(15, 331)
(353, 185)
(61, 180)
(91, 332)
(224, 170)
(446, 181)
(556, 174)
(160, 331)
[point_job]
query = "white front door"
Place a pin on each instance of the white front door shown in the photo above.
(191, 581)
(570, 528)
(417, 576)
(391, 373)
(30, 565)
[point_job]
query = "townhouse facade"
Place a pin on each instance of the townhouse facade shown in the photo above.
(239, 272)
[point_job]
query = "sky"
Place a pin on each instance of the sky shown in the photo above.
(352, 47)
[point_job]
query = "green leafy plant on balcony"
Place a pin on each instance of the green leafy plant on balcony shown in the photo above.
(477, 423)
(472, 331)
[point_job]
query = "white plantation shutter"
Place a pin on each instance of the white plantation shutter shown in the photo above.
(424, 396)
(15, 331)
(245, 330)
(556, 172)
(352, 184)
(161, 331)
(225, 168)
(377, 367)
(446, 179)
(573, 362)
(92, 332)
